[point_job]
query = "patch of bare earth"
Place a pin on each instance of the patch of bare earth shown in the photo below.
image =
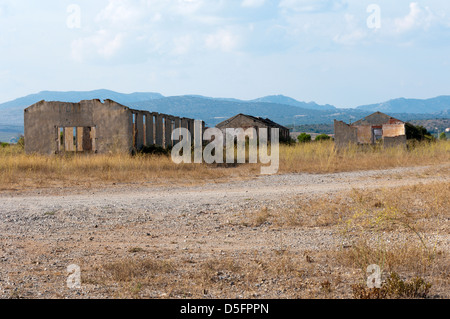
(281, 236)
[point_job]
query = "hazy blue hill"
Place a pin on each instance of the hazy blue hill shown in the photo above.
(10, 133)
(213, 111)
(281, 99)
(402, 105)
(77, 96)
(12, 112)
(279, 108)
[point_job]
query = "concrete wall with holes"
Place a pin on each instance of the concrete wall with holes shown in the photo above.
(95, 126)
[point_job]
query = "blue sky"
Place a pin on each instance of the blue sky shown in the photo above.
(341, 52)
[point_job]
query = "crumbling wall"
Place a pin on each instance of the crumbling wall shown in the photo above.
(396, 141)
(370, 129)
(364, 134)
(50, 126)
(344, 134)
(393, 130)
(245, 122)
(93, 126)
(114, 126)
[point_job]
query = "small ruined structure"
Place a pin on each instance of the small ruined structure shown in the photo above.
(369, 130)
(248, 121)
(93, 126)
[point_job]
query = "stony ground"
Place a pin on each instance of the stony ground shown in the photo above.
(194, 242)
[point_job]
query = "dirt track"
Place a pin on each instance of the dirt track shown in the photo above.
(44, 231)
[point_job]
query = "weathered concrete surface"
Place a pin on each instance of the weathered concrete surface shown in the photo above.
(159, 137)
(397, 141)
(177, 124)
(149, 129)
(364, 134)
(344, 134)
(393, 130)
(43, 119)
(93, 126)
(191, 125)
(139, 130)
(167, 131)
(113, 123)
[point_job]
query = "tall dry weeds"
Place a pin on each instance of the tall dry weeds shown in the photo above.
(19, 170)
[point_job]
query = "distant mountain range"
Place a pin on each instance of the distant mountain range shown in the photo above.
(279, 108)
(281, 99)
(402, 105)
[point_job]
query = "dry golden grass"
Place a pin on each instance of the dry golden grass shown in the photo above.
(417, 208)
(323, 157)
(244, 276)
(398, 229)
(18, 170)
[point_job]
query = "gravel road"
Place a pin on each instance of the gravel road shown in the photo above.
(44, 231)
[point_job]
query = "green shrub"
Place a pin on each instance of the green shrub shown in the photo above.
(323, 137)
(418, 133)
(154, 150)
(304, 138)
(394, 287)
(287, 141)
(21, 142)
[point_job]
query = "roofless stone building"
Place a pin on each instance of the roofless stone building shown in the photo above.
(248, 121)
(369, 130)
(96, 127)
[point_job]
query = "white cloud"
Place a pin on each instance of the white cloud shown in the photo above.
(222, 40)
(312, 6)
(122, 12)
(118, 30)
(102, 44)
(418, 17)
(352, 34)
(150, 26)
(182, 45)
(252, 3)
(176, 7)
(350, 38)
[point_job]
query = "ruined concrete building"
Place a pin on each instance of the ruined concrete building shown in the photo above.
(93, 126)
(247, 121)
(369, 130)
